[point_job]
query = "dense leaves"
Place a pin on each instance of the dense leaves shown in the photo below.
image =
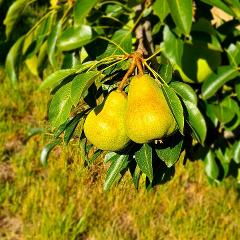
(82, 50)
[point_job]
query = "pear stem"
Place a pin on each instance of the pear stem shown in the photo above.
(137, 60)
(128, 73)
(139, 66)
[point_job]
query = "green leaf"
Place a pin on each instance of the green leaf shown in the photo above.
(109, 157)
(237, 89)
(71, 60)
(52, 41)
(211, 167)
(175, 106)
(13, 15)
(81, 83)
(61, 128)
(169, 151)
(13, 59)
(215, 81)
(33, 132)
(123, 39)
(184, 91)
(196, 121)
(220, 4)
(73, 38)
(119, 163)
(81, 10)
(71, 126)
(236, 152)
(46, 151)
(233, 53)
(42, 58)
(224, 159)
(60, 105)
(40, 33)
(144, 160)
(161, 9)
(136, 174)
(172, 46)
(55, 78)
(165, 71)
(226, 110)
(181, 12)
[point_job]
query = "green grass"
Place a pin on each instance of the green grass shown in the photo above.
(66, 200)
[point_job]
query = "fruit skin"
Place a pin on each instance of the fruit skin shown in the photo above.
(148, 115)
(198, 61)
(104, 126)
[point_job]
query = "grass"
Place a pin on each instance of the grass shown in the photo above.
(66, 200)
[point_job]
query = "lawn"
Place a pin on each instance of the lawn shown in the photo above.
(65, 200)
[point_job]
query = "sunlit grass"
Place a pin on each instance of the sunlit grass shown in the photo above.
(66, 200)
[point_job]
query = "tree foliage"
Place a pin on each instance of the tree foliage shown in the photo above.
(191, 47)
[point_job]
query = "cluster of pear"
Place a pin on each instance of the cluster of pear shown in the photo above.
(141, 116)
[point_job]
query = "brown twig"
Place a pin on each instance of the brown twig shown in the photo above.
(126, 76)
(137, 58)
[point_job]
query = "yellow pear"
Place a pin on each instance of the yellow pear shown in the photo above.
(104, 126)
(148, 115)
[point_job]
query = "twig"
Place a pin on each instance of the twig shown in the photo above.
(149, 42)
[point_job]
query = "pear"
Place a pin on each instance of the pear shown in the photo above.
(148, 115)
(104, 126)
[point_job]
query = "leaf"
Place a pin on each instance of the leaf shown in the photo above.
(40, 33)
(172, 46)
(233, 53)
(136, 174)
(144, 160)
(81, 10)
(33, 132)
(46, 151)
(121, 38)
(13, 15)
(236, 152)
(169, 151)
(119, 163)
(71, 126)
(55, 78)
(61, 128)
(215, 81)
(226, 110)
(161, 9)
(211, 167)
(224, 159)
(32, 65)
(60, 105)
(237, 89)
(81, 83)
(109, 157)
(181, 12)
(196, 121)
(13, 59)
(52, 41)
(71, 60)
(73, 38)
(220, 4)
(184, 91)
(165, 71)
(175, 106)
(42, 59)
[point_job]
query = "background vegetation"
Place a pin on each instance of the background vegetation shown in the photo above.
(65, 200)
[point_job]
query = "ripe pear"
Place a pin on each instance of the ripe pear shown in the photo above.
(148, 115)
(104, 126)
